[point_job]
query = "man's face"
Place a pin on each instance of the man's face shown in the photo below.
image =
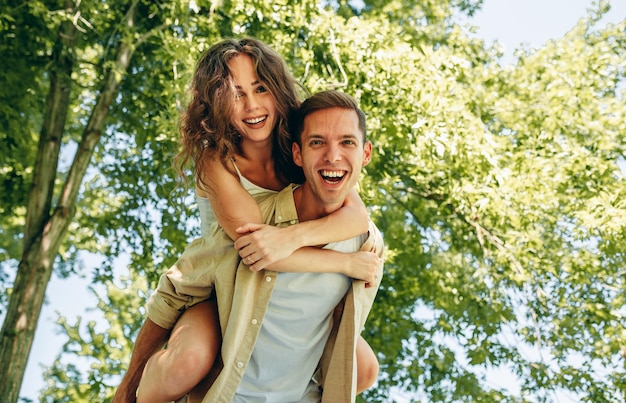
(332, 154)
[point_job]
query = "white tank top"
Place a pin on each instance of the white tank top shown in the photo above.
(207, 216)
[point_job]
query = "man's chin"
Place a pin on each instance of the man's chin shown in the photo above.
(333, 196)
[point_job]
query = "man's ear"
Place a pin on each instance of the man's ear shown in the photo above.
(367, 153)
(297, 155)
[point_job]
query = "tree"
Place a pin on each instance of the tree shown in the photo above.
(500, 202)
(496, 188)
(85, 53)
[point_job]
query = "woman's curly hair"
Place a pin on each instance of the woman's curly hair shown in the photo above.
(205, 127)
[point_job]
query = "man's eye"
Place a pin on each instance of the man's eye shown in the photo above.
(315, 142)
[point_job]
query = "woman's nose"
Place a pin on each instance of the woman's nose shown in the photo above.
(252, 102)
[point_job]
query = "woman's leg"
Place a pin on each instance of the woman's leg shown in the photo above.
(190, 354)
(366, 365)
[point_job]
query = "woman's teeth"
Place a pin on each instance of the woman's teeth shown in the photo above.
(255, 120)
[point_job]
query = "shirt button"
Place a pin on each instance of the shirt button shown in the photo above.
(292, 222)
(268, 279)
(280, 217)
(240, 364)
(254, 321)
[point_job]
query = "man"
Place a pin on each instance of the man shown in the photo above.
(278, 329)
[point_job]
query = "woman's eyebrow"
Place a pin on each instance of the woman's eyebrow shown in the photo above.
(257, 82)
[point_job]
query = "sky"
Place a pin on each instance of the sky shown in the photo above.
(530, 23)
(513, 23)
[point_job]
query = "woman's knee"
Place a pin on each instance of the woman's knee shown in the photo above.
(195, 341)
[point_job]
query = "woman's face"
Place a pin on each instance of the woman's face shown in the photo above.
(255, 113)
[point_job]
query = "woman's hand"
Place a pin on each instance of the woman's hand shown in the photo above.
(364, 266)
(263, 245)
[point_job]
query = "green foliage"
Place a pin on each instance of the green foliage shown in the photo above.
(98, 351)
(497, 188)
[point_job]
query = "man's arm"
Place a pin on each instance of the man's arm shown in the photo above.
(150, 339)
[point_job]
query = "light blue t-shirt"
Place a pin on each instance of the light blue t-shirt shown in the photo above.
(293, 334)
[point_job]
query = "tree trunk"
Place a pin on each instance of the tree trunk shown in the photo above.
(41, 238)
(43, 233)
(29, 289)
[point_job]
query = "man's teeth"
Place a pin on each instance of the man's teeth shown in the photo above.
(332, 174)
(255, 120)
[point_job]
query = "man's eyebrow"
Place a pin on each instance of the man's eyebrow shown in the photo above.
(311, 136)
(349, 136)
(321, 136)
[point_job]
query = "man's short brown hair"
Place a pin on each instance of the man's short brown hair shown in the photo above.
(325, 100)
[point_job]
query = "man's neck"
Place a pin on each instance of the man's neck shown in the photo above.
(308, 207)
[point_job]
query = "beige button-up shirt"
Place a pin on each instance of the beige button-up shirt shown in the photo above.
(206, 266)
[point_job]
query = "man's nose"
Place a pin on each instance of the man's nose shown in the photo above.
(333, 153)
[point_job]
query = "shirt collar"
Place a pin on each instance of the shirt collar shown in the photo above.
(285, 206)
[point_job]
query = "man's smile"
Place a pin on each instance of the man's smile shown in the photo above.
(332, 176)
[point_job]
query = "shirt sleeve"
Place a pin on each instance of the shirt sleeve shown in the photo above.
(191, 279)
(373, 243)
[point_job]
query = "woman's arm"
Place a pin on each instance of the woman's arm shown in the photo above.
(232, 205)
(347, 222)
(359, 265)
(270, 247)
